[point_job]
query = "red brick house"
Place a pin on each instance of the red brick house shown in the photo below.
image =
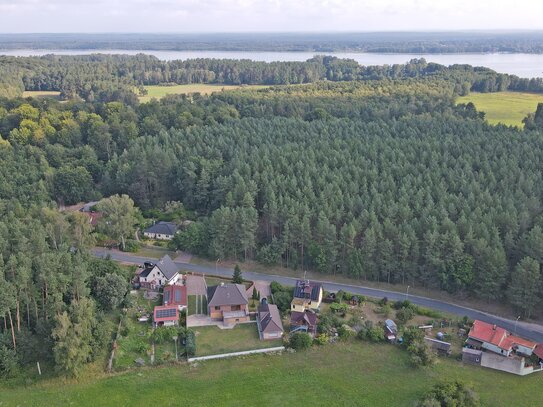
(175, 295)
(228, 303)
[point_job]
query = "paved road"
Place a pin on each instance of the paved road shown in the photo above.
(529, 331)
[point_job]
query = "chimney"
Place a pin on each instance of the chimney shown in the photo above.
(494, 327)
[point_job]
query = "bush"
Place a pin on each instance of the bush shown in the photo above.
(190, 343)
(327, 322)
(131, 246)
(339, 308)
(421, 354)
(276, 287)
(375, 334)
(383, 301)
(402, 304)
(300, 341)
(8, 362)
(282, 300)
(164, 334)
(412, 335)
(346, 332)
(453, 393)
(429, 313)
(404, 315)
(322, 339)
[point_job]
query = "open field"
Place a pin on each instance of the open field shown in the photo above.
(40, 94)
(504, 107)
(350, 374)
(211, 340)
(158, 92)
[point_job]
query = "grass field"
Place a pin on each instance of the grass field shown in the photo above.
(210, 340)
(40, 94)
(504, 107)
(158, 92)
(357, 374)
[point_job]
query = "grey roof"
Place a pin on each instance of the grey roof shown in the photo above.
(226, 294)
(163, 228)
(167, 267)
(88, 206)
(270, 320)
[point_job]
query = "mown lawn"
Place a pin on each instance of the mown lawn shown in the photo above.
(357, 374)
(158, 92)
(504, 107)
(41, 94)
(210, 340)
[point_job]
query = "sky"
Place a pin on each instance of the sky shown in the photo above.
(22, 16)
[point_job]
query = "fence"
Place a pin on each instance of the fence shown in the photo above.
(233, 354)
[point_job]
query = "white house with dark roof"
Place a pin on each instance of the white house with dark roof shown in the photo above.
(161, 231)
(156, 275)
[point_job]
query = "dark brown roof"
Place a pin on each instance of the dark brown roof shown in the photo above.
(226, 294)
(307, 317)
(270, 320)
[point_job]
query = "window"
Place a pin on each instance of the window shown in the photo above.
(217, 308)
(236, 307)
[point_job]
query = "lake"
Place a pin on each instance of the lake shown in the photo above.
(523, 65)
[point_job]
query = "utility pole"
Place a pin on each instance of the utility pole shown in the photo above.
(515, 330)
(175, 340)
(407, 293)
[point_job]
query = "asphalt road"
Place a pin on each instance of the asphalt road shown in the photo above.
(530, 331)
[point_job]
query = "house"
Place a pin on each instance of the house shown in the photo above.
(391, 330)
(471, 356)
(498, 340)
(156, 275)
(88, 207)
(269, 322)
(165, 315)
(161, 231)
(305, 321)
(175, 294)
(228, 303)
(441, 347)
(307, 296)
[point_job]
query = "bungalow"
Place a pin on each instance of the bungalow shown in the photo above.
(269, 322)
(307, 296)
(496, 339)
(165, 315)
(305, 321)
(175, 295)
(161, 231)
(391, 330)
(156, 275)
(228, 303)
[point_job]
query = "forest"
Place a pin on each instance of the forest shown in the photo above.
(377, 175)
(382, 42)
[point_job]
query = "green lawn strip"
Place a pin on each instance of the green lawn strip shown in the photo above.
(354, 374)
(210, 340)
(504, 107)
(158, 92)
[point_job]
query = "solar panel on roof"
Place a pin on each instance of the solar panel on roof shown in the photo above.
(166, 313)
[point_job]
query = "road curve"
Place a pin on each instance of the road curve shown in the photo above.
(533, 332)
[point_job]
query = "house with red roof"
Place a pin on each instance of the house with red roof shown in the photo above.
(175, 295)
(165, 315)
(498, 340)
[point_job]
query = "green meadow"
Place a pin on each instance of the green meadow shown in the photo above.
(345, 374)
(504, 107)
(157, 92)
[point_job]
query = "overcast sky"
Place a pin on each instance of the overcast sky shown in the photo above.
(266, 15)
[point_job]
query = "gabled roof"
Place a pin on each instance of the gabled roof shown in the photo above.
(306, 287)
(270, 320)
(306, 318)
(226, 294)
(539, 351)
(163, 228)
(167, 267)
(497, 336)
(148, 268)
(166, 313)
(174, 295)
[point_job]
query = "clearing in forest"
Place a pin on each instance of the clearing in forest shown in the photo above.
(504, 107)
(158, 92)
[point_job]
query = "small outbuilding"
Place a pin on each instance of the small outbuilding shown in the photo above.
(165, 315)
(269, 322)
(391, 330)
(441, 347)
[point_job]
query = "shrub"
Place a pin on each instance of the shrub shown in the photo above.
(276, 287)
(339, 308)
(453, 393)
(346, 332)
(164, 334)
(282, 300)
(402, 304)
(404, 315)
(412, 335)
(327, 322)
(300, 341)
(131, 246)
(8, 362)
(322, 339)
(375, 334)
(383, 301)
(190, 343)
(429, 313)
(421, 354)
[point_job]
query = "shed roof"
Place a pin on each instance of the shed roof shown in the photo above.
(226, 294)
(174, 295)
(163, 313)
